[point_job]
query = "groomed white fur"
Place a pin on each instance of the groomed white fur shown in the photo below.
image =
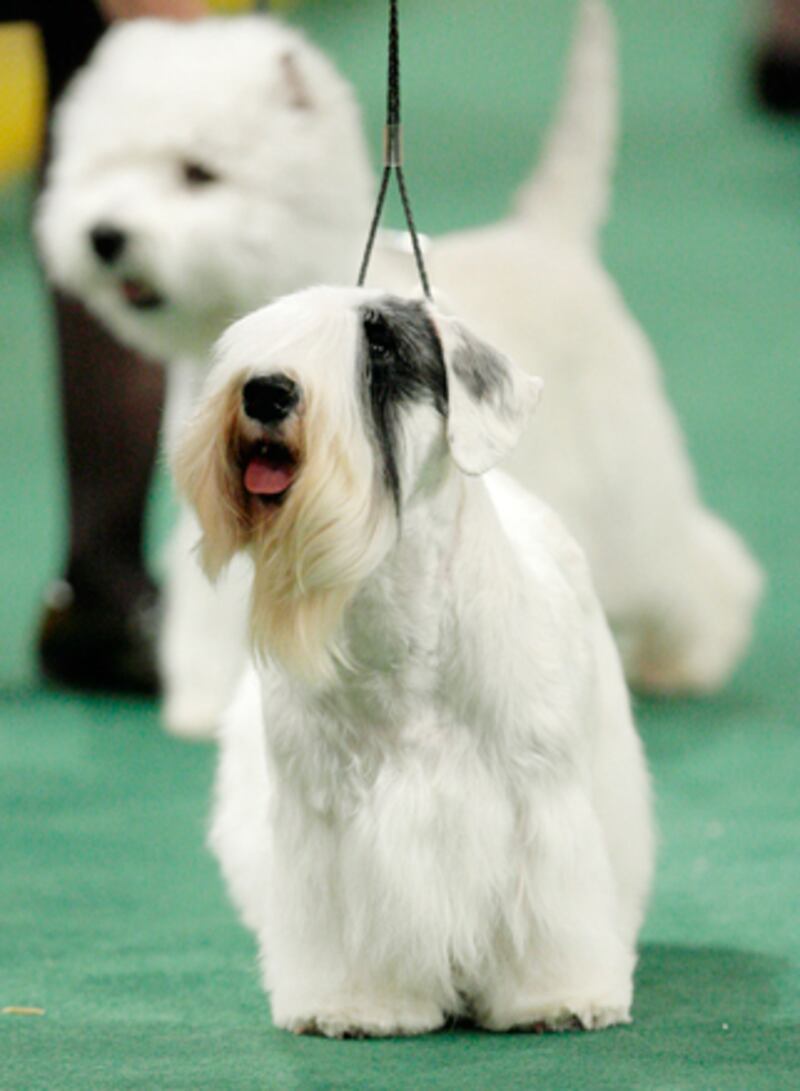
(291, 208)
(452, 814)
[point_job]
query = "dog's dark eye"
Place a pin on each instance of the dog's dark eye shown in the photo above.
(195, 174)
(381, 341)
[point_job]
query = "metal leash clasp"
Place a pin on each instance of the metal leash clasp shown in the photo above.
(393, 145)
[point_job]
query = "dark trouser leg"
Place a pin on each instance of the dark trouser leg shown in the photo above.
(98, 627)
(111, 406)
(777, 71)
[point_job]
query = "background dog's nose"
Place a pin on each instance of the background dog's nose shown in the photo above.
(269, 400)
(107, 242)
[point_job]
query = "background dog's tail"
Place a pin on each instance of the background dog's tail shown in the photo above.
(569, 193)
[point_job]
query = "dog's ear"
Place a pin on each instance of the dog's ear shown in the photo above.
(205, 473)
(295, 83)
(489, 398)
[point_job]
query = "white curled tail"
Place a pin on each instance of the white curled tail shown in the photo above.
(569, 193)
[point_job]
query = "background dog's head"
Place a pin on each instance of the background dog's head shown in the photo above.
(198, 170)
(328, 416)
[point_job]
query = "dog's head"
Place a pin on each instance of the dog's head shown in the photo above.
(328, 416)
(199, 169)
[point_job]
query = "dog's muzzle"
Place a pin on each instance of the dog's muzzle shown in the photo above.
(109, 245)
(270, 466)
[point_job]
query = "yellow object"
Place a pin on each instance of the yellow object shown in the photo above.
(231, 6)
(234, 7)
(21, 97)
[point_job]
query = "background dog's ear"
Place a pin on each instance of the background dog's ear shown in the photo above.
(295, 83)
(490, 398)
(206, 477)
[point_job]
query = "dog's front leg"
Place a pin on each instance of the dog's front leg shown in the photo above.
(203, 636)
(329, 951)
(560, 960)
(354, 1009)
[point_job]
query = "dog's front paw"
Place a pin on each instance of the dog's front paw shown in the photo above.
(362, 1017)
(540, 1014)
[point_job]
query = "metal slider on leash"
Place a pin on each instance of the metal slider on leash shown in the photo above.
(393, 145)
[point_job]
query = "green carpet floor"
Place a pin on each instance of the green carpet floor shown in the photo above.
(113, 919)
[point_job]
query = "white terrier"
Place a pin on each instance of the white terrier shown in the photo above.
(443, 807)
(201, 170)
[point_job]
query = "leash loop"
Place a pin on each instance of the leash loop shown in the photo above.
(393, 159)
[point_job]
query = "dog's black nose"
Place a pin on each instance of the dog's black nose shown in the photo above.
(107, 242)
(270, 400)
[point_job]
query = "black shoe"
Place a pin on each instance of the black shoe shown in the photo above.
(777, 80)
(88, 645)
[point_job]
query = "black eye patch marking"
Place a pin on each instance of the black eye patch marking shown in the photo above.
(379, 337)
(404, 353)
(402, 364)
(196, 174)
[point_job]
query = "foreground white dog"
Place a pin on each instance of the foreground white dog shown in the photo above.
(443, 806)
(201, 170)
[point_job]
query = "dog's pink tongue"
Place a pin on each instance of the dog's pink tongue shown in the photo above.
(264, 478)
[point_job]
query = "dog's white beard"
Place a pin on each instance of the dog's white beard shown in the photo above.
(334, 529)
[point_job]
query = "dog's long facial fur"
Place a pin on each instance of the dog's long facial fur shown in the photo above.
(382, 385)
(313, 548)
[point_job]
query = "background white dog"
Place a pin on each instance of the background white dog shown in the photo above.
(453, 816)
(198, 170)
(234, 169)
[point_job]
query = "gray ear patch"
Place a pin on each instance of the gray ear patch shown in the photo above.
(489, 398)
(480, 370)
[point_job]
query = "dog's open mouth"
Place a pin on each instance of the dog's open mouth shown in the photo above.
(269, 471)
(140, 295)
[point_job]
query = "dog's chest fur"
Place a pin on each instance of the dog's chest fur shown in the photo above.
(418, 729)
(395, 785)
(389, 706)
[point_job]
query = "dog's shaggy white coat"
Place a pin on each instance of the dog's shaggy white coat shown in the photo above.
(259, 107)
(431, 799)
